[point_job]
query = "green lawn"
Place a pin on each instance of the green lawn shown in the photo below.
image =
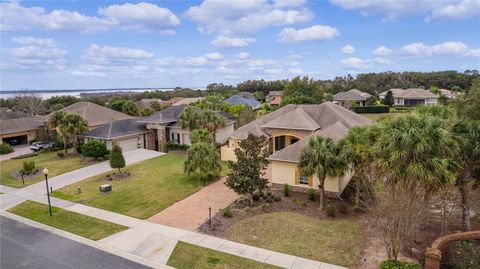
(56, 166)
(72, 222)
(186, 256)
(339, 241)
(155, 184)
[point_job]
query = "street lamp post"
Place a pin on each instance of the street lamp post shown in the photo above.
(45, 172)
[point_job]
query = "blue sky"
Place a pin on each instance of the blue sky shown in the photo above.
(112, 44)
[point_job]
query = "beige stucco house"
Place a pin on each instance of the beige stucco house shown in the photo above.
(289, 130)
(411, 97)
(350, 98)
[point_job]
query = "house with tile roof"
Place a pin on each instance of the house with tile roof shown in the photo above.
(240, 100)
(152, 132)
(20, 130)
(411, 97)
(350, 98)
(288, 130)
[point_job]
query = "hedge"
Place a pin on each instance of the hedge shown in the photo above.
(372, 109)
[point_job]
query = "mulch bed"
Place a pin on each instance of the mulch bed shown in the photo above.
(296, 202)
(17, 175)
(116, 176)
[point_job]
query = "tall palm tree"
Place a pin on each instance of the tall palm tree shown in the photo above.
(54, 123)
(212, 121)
(72, 125)
(322, 158)
(190, 118)
(203, 158)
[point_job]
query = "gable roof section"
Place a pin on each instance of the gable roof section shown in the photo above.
(275, 93)
(335, 131)
(8, 126)
(395, 92)
(94, 114)
(167, 115)
(118, 128)
(187, 101)
(237, 99)
(352, 94)
(296, 119)
(416, 93)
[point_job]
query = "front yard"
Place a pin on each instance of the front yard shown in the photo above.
(89, 227)
(154, 185)
(55, 165)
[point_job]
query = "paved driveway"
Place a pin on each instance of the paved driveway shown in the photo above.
(18, 150)
(192, 211)
(24, 246)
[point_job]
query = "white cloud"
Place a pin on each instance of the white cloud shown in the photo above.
(462, 10)
(36, 54)
(141, 16)
(32, 41)
(295, 71)
(233, 18)
(316, 32)
(288, 3)
(473, 53)
(354, 62)
(391, 10)
(88, 73)
(115, 56)
(225, 41)
(215, 56)
(382, 60)
(446, 48)
(382, 51)
(348, 49)
(243, 55)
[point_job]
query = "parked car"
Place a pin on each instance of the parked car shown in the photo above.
(37, 146)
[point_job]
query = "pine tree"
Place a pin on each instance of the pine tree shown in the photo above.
(116, 158)
(389, 100)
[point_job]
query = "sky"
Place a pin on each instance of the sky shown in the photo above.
(136, 44)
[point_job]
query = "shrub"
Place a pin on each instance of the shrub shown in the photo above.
(5, 148)
(255, 197)
(342, 209)
(277, 198)
(261, 194)
(286, 190)
(28, 167)
(61, 154)
(464, 255)
(269, 194)
(269, 199)
(227, 213)
(331, 212)
(171, 145)
(372, 109)
(392, 264)
(94, 148)
(311, 194)
(116, 158)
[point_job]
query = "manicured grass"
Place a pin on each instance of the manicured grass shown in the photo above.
(186, 256)
(155, 184)
(56, 166)
(72, 222)
(337, 241)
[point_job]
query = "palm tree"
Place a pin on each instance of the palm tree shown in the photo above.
(469, 159)
(203, 158)
(212, 121)
(72, 125)
(190, 118)
(201, 135)
(54, 123)
(321, 157)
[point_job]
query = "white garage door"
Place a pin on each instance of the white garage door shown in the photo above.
(128, 144)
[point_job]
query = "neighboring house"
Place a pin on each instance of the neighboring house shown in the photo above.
(187, 101)
(289, 130)
(411, 97)
(16, 131)
(154, 131)
(95, 115)
(351, 98)
(274, 97)
(449, 94)
(247, 95)
(239, 100)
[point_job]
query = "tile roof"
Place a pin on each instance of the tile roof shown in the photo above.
(237, 99)
(187, 101)
(275, 93)
(118, 128)
(167, 115)
(352, 94)
(296, 119)
(415, 93)
(94, 114)
(8, 126)
(394, 91)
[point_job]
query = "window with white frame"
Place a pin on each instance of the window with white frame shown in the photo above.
(303, 180)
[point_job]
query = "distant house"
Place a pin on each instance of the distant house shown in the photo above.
(411, 97)
(288, 130)
(16, 131)
(247, 95)
(351, 97)
(187, 101)
(274, 97)
(153, 132)
(239, 100)
(449, 94)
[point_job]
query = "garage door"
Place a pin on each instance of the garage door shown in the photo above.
(128, 144)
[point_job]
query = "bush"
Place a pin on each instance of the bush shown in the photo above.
(28, 167)
(94, 148)
(269, 194)
(286, 190)
(464, 255)
(255, 197)
(331, 212)
(227, 213)
(61, 154)
(311, 194)
(392, 264)
(277, 198)
(5, 148)
(371, 109)
(261, 194)
(269, 199)
(342, 209)
(171, 145)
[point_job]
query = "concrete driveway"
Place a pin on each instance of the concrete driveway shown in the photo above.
(18, 150)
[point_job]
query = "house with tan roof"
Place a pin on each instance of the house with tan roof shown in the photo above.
(411, 97)
(187, 101)
(23, 130)
(289, 130)
(274, 97)
(351, 98)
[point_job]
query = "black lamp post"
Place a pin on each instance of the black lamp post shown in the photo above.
(45, 172)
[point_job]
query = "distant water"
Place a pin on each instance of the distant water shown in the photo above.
(49, 93)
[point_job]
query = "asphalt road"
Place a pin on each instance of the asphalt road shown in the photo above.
(24, 246)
